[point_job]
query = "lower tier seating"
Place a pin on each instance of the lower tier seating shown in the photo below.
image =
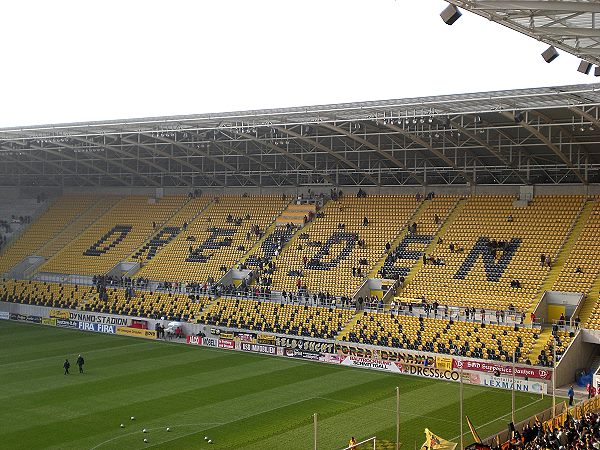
(496, 342)
(153, 305)
(301, 320)
(69, 296)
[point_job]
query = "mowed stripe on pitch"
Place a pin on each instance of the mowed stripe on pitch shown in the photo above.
(241, 400)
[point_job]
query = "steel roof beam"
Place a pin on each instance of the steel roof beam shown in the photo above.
(329, 151)
(281, 151)
(375, 148)
(537, 5)
(435, 151)
(552, 146)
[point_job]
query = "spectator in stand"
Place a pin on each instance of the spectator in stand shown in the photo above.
(571, 394)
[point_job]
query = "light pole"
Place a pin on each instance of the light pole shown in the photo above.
(397, 418)
(462, 446)
(513, 388)
(315, 431)
(554, 375)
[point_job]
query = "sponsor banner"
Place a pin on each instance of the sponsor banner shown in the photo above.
(34, 319)
(137, 332)
(386, 355)
(97, 327)
(484, 379)
(428, 372)
(332, 358)
(305, 344)
(245, 337)
(4, 315)
(303, 354)
(98, 318)
(259, 348)
(194, 340)
(49, 321)
(59, 314)
(21, 317)
(265, 339)
(226, 343)
(368, 363)
(226, 335)
(443, 362)
(66, 323)
(491, 367)
(210, 342)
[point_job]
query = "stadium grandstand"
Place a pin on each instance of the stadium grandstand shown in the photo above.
(412, 217)
(455, 231)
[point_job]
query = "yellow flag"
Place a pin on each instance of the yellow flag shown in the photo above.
(434, 442)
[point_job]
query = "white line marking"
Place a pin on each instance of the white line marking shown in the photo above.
(501, 417)
(388, 410)
(208, 423)
(157, 428)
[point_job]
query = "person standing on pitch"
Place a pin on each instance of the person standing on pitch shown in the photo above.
(80, 363)
(66, 366)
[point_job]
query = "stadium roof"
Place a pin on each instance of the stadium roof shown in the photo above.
(540, 135)
(573, 26)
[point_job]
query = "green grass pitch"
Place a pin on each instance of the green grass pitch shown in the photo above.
(238, 400)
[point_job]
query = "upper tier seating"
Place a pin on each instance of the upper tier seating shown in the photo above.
(218, 239)
(114, 236)
(338, 227)
(593, 321)
(400, 260)
(58, 216)
(301, 320)
(169, 231)
(470, 339)
(495, 261)
(585, 255)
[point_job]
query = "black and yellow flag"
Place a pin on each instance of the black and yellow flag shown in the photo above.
(473, 431)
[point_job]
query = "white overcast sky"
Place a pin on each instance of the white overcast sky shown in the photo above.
(67, 61)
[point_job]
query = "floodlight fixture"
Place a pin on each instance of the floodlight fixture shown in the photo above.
(550, 54)
(450, 14)
(584, 67)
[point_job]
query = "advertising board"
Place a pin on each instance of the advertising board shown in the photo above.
(502, 369)
(259, 348)
(97, 327)
(137, 332)
(485, 379)
(193, 340)
(226, 343)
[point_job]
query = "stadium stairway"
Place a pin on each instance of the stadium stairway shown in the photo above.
(440, 234)
(414, 218)
(77, 226)
(557, 266)
(544, 335)
(349, 326)
(589, 302)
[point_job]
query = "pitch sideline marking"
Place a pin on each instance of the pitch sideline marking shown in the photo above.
(389, 410)
(502, 416)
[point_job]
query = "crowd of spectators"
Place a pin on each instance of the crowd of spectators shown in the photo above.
(576, 434)
(113, 281)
